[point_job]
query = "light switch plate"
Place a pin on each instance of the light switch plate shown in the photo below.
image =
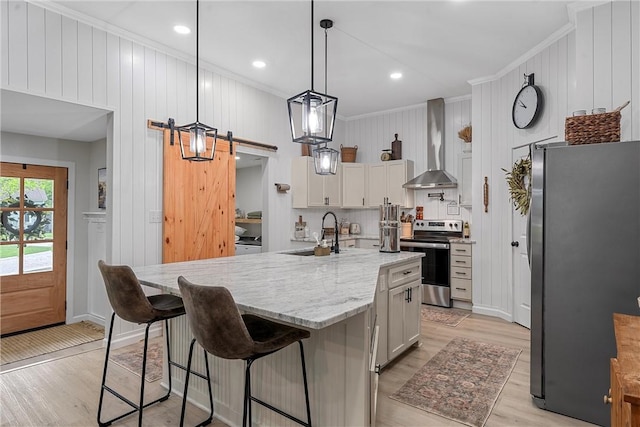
(155, 217)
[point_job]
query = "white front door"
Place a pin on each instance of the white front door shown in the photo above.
(521, 271)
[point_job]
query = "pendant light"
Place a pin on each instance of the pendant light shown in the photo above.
(325, 159)
(312, 114)
(196, 147)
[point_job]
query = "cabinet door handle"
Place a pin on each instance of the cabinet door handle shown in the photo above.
(410, 294)
(461, 250)
(406, 272)
(460, 262)
(363, 201)
(461, 273)
(406, 298)
(461, 289)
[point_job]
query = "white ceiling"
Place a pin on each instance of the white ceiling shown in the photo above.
(438, 45)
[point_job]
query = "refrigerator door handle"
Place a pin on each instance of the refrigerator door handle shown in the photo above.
(529, 236)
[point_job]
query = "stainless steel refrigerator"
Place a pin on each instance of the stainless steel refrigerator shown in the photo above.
(584, 249)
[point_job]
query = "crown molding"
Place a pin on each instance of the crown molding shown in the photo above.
(554, 37)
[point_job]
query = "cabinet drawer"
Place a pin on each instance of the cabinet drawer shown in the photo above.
(460, 273)
(460, 249)
(460, 261)
(404, 273)
(461, 289)
(368, 243)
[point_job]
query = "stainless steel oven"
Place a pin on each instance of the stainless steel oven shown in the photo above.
(431, 237)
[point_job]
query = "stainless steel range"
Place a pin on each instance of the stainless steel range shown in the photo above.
(432, 237)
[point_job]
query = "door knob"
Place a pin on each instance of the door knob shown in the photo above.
(515, 244)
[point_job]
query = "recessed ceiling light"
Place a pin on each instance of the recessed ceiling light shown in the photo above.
(395, 76)
(181, 29)
(237, 157)
(259, 64)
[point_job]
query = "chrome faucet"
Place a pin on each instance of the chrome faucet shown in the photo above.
(335, 248)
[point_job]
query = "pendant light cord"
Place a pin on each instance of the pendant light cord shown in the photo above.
(311, 26)
(325, 61)
(197, 61)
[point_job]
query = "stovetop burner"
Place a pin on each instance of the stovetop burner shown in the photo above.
(435, 230)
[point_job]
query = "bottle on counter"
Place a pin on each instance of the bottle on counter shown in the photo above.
(299, 228)
(466, 231)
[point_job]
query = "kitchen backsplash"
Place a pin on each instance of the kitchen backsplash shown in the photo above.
(368, 218)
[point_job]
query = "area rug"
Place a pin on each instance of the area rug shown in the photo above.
(43, 341)
(462, 382)
(447, 316)
(130, 358)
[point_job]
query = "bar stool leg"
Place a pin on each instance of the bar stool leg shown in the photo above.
(246, 413)
(304, 378)
(144, 371)
(169, 363)
(104, 372)
(186, 386)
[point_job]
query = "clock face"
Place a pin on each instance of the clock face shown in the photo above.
(526, 107)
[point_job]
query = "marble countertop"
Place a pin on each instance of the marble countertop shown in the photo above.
(309, 291)
(462, 240)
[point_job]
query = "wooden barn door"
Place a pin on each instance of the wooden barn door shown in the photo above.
(198, 204)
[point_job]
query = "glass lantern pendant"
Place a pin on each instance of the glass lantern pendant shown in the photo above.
(325, 160)
(312, 115)
(194, 147)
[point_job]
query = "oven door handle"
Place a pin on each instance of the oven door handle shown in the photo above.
(426, 245)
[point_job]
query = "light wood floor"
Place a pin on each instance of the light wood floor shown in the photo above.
(64, 389)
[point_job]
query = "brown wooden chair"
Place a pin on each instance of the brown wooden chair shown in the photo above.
(131, 304)
(218, 326)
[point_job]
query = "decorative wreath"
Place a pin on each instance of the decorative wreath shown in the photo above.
(519, 181)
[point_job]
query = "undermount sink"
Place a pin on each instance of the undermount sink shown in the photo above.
(301, 253)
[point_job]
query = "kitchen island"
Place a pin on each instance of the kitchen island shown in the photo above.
(331, 296)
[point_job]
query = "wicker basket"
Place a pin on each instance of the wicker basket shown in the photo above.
(348, 154)
(593, 128)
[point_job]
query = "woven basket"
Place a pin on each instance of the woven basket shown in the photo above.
(593, 128)
(348, 154)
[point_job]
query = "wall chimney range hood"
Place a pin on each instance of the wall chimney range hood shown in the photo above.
(435, 176)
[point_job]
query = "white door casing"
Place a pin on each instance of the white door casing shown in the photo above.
(520, 260)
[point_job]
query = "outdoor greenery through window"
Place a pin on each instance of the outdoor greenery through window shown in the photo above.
(26, 216)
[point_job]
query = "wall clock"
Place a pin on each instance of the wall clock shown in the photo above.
(527, 106)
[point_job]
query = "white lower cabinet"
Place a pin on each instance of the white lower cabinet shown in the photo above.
(461, 271)
(368, 244)
(404, 317)
(399, 313)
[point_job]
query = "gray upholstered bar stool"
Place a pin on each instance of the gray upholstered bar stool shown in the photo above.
(131, 304)
(218, 326)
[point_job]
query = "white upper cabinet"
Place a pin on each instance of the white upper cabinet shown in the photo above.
(354, 185)
(464, 179)
(386, 179)
(312, 190)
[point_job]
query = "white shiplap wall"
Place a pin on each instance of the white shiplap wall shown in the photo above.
(595, 65)
(47, 54)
